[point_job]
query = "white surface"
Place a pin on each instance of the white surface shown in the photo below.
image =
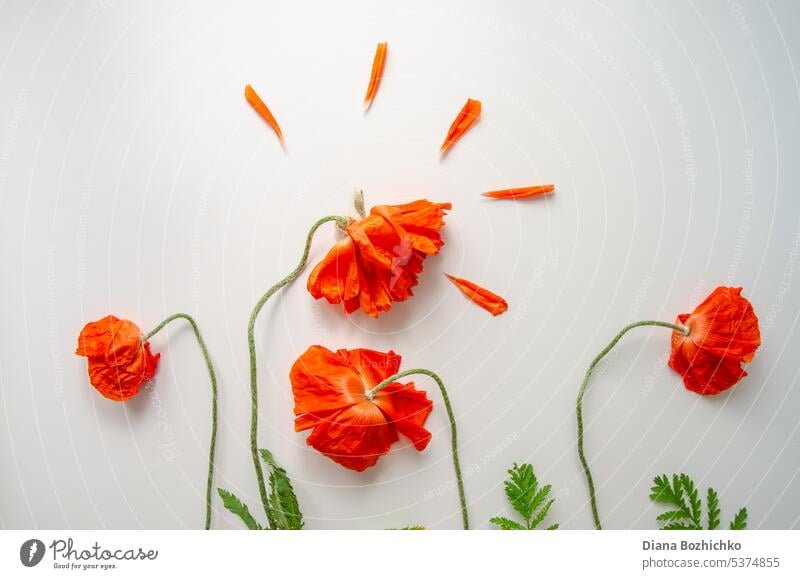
(135, 180)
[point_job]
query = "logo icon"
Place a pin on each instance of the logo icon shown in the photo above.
(31, 552)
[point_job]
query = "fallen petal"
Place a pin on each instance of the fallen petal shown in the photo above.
(377, 74)
(465, 119)
(520, 192)
(259, 106)
(489, 301)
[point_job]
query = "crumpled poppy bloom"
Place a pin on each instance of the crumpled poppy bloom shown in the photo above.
(709, 347)
(119, 362)
(723, 334)
(378, 262)
(331, 397)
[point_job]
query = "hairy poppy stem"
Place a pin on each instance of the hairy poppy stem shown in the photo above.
(582, 391)
(213, 377)
(251, 343)
(453, 434)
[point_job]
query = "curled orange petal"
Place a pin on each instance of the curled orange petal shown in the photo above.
(520, 192)
(259, 106)
(465, 119)
(489, 301)
(377, 74)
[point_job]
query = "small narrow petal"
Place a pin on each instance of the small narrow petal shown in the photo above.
(259, 106)
(489, 301)
(520, 192)
(377, 74)
(465, 119)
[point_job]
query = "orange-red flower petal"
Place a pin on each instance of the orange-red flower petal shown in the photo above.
(378, 262)
(723, 335)
(469, 113)
(119, 363)
(489, 301)
(377, 74)
(255, 101)
(330, 399)
(520, 192)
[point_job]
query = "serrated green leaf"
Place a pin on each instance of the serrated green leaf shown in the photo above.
(673, 516)
(286, 513)
(537, 520)
(238, 508)
(523, 492)
(520, 489)
(507, 524)
(552, 527)
(739, 522)
(684, 494)
(712, 504)
(695, 505)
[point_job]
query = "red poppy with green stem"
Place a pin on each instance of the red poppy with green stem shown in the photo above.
(709, 347)
(373, 266)
(120, 362)
(355, 407)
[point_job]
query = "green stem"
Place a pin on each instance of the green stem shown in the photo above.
(213, 377)
(453, 434)
(251, 343)
(582, 391)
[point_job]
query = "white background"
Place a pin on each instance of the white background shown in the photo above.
(136, 180)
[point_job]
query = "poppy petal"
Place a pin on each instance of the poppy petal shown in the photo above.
(372, 366)
(255, 101)
(489, 301)
(322, 383)
(336, 277)
(469, 113)
(520, 192)
(377, 74)
(408, 409)
(355, 437)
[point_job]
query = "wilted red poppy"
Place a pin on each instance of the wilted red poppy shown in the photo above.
(709, 347)
(119, 363)
(722, 335)
(330, 397)
(379, 260)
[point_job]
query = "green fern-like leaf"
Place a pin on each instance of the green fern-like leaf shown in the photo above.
(739, 522)
(712, 504)
(238, 508)
(526, 498)
(286, 513)
(682, 493)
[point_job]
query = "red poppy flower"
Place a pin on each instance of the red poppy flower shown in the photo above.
(355, 431)
(379, 260)
(119, 363)
(723, 334)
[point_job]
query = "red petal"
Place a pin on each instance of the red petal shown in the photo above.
(489, 301)
(469, 113)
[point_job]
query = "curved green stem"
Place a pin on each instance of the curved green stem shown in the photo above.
(582, 391)
(453, 434)
(213, 377)
(251, 343)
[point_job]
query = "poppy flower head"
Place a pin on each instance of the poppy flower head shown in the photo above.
(378, 262)
(330, 398)
(722, 335)
(119, 363)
